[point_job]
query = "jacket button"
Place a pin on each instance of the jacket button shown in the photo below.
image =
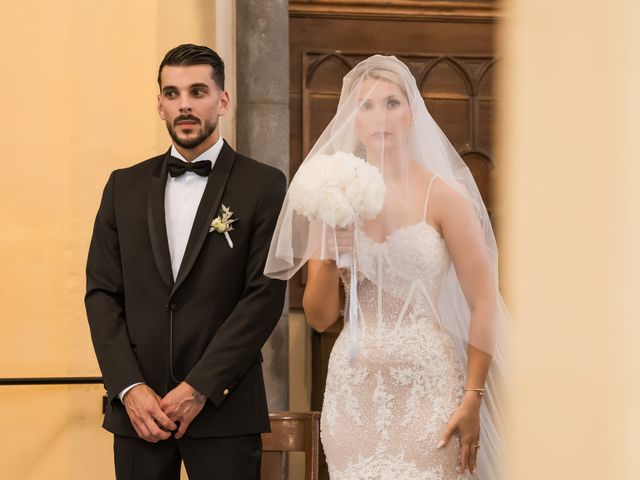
(225, 392)
(173, 307)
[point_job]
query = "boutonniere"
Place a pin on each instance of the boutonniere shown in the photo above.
(223, 224)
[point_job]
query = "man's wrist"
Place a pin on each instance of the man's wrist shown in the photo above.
(122, 394)
(197, 395)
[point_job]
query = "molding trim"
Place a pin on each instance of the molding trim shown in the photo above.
(485, 11)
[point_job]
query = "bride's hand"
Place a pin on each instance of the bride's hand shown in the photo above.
(343, 240)
(466, 421)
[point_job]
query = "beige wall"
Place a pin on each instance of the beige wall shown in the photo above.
(570, 180)
(79, 92)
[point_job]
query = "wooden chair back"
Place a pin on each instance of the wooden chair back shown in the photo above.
(291, 432)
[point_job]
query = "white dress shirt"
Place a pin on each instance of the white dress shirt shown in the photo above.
(181, 200)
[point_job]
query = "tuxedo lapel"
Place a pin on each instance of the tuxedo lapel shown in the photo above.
(156, 220)
(207, 211)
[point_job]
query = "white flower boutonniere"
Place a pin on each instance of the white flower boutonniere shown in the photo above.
(223, 224)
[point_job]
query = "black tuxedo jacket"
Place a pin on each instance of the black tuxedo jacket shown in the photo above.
(208, 326)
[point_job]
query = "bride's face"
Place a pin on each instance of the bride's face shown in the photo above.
(384, 117)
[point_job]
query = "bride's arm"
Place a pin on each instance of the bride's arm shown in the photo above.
(465, 242)
(464, 237)
(321, 299)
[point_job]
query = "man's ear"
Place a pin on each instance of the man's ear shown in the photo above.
(223, 103)
(160, 107)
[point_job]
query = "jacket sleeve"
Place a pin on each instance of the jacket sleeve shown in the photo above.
(237, 343)
(104, 301)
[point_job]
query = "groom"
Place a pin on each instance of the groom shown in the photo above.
(177, 303)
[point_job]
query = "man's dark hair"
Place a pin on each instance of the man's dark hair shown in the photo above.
(189, 54)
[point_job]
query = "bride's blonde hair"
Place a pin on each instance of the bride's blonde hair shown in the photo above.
(383, 74)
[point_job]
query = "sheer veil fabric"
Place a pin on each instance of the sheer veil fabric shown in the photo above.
(389, 128)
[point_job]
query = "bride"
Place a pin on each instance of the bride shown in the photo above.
(413, 386)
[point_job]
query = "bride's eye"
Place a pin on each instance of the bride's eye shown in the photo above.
(393, 103)
(365, 105)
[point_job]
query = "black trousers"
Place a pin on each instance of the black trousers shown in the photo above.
(225, 458)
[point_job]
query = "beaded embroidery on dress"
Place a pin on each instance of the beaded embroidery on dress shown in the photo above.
(384, 410)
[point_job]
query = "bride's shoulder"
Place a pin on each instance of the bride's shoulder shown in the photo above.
(443, 193)
(446, 188)
(448, 197)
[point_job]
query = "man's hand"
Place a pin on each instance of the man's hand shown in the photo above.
(183, 404)
(147, 417)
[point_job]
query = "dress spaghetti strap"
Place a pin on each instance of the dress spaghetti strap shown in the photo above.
(426, 202)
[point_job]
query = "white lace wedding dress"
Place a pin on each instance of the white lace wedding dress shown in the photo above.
(384, 410)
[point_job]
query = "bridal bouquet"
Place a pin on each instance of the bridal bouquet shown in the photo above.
(337, 189)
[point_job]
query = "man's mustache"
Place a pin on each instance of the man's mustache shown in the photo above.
(182, 118)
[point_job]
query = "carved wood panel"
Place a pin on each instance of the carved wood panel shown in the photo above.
(456, 89)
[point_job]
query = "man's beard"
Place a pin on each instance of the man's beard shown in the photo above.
(205, 132)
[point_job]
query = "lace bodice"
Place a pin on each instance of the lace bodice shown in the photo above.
(398, 279)
(413, 252)
(413, 259)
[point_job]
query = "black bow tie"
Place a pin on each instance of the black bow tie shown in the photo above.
(177, 167)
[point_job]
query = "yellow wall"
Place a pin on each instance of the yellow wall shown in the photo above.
(570, 184)
(78, 87)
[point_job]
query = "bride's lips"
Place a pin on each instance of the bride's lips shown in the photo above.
(379, 134)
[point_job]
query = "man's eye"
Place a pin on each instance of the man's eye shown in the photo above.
(170, 94)
(198, 92)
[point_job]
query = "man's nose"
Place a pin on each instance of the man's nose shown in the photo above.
(185, 106)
